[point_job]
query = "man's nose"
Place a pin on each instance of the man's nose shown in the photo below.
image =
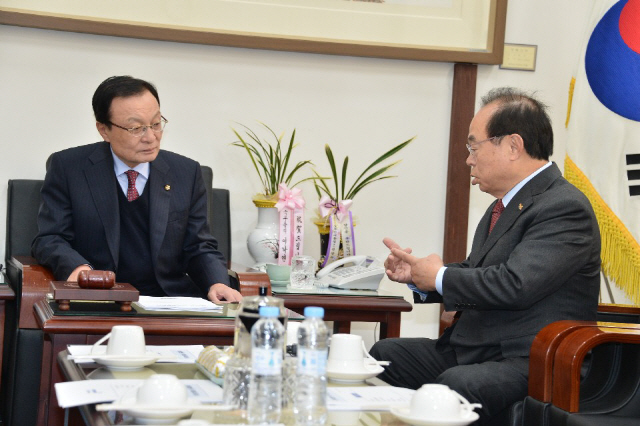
(149, 136)
(470, 160)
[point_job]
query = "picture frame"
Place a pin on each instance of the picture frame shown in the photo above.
(470, 31)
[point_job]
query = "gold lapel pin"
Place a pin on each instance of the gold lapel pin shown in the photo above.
(168, 188)
(520, 206)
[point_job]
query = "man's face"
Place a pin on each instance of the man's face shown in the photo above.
(489, 162)
(133, 111)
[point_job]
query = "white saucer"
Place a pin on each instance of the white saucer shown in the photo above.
(155, 416)
(126, 362)
(355, 376)
(404, 414)
(280, 283)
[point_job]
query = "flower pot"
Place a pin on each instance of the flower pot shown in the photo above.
(262, 241)
(323, 230)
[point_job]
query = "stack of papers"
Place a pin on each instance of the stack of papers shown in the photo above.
(367, 398)
(194, 304)
(72, 394)
(181, 354)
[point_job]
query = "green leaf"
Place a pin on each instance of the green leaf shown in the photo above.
(363, 184)
(355, 189)
(380, 159)
(332, 164)
(344, 176)
(270, 159)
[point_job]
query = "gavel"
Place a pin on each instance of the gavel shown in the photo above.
(96, 279)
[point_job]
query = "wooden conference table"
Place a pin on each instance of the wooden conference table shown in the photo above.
(65, 328)
(87, 414)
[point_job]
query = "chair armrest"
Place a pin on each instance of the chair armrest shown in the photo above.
(570, 355)
(35, 281)
(249, 282)
(619, 313)
(542, 355)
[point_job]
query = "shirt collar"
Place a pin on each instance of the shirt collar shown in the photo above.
(119, 167)
(509, 195)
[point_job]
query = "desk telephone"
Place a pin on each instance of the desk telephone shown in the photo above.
(366, 274)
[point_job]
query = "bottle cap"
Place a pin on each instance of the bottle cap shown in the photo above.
(269, 311)
(314, 312)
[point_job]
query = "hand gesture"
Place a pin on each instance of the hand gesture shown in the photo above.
(422, 270)
(397, 270)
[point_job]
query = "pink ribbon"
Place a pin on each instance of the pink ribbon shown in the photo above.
(290, 240)
(328, 206)
(289, 198)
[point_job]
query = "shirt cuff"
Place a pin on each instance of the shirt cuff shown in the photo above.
(439, 276)
(423, 295)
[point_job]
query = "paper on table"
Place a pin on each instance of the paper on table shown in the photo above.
(72, 394)
(368, 398)
(182, 354)
(196, 304)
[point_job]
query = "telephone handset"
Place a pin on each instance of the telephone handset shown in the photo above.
(366, 274)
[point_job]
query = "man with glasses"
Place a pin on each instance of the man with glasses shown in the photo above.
(127, 206)
(535, 259)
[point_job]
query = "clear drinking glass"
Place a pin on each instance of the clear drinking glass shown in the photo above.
(303, 271)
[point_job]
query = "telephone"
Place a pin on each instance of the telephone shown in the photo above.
(366, 274)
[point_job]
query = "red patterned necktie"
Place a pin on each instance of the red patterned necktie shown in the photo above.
(495, 214)
(132, 192)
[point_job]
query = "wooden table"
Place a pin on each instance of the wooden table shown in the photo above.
(345, 307)
(63, 330)
(86, 414)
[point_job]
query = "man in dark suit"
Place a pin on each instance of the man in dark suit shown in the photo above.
(126, 206)
(535, 259)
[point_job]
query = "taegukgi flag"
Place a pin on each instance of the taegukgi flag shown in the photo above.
(603, 139)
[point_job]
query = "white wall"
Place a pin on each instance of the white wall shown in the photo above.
(360, 106)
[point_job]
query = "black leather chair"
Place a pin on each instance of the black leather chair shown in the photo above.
(586, 373)
(23, 339)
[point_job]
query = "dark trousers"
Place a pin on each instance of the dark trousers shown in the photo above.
(496, 383)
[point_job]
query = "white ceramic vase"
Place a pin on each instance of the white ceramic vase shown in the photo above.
(263, 240)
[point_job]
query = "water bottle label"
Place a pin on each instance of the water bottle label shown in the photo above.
(266, 362)
(312, 362)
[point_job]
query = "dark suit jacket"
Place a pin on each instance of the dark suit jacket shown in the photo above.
(540, 264)
(79, 220)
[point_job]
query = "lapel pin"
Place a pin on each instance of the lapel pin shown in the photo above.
(168, 188)
(519, 205)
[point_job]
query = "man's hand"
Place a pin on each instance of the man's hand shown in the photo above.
(220, 293)
(423, 270)
(74, 275)
(397, 270)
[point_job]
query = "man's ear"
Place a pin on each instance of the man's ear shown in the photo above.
(102, 129)
(516, 145)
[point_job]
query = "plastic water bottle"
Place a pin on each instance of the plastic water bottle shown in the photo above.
(310, 406)
(267, 352)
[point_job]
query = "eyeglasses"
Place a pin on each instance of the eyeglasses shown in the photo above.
(472, 151)
(140, 130)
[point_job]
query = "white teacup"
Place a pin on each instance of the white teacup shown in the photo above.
(435, 401)
(162, 390)
(124, 340)
(346, 353)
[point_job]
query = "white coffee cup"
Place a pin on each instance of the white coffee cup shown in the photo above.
(436, 401)
(124, 340)
(162, 390)
(346, 353)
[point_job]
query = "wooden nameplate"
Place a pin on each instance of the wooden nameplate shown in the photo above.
(121, 293)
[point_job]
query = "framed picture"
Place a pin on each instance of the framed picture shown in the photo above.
(430, 30)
